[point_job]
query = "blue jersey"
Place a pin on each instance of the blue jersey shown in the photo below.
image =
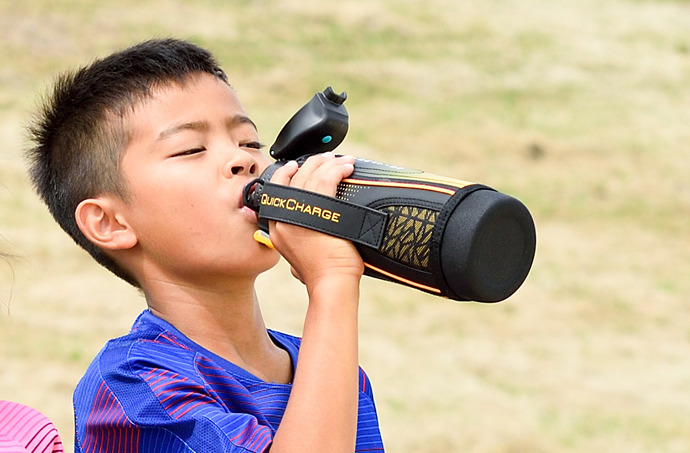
(155, 390)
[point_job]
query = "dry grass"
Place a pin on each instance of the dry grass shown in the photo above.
(580, 108)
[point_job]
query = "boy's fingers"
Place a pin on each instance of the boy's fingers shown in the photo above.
(316, 160)
(285, 173)
(320, 173)
(323, 173)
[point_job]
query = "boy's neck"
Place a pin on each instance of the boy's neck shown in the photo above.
(227, 323)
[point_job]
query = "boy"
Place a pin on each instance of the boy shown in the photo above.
(142, 157)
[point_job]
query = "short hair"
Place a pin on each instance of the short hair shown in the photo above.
(79, 134)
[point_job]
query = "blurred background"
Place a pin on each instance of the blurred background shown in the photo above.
(580, 108)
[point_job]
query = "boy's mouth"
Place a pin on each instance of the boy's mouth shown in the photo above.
(251, 193)
(246, 210)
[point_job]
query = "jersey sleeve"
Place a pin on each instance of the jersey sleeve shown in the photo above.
(149, 396)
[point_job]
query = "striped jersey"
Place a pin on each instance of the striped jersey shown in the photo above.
(24, 429)
(155, 390)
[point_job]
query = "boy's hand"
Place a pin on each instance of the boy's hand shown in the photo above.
(311, 254)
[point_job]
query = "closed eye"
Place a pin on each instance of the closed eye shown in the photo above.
(189, 152)
(253, 145)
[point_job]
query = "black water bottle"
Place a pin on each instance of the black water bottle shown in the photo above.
(444, 236)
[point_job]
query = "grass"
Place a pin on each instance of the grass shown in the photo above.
(579, 108)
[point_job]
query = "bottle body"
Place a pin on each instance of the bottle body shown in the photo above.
(444, 236)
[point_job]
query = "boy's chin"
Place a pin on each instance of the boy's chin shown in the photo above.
(276, 258)
(266, 259)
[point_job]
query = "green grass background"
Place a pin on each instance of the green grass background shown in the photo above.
(580, 108)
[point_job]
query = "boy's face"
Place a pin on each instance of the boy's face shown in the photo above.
(192, 151)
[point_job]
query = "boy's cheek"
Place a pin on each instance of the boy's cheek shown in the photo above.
(264, 163)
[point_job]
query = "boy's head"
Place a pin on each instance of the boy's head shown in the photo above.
(81, 132)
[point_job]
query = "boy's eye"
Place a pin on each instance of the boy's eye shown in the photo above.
(253, 145)
(189, 152)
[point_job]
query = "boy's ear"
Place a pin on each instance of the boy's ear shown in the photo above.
(100, 220)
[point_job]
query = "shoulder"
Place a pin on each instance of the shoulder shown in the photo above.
(125, 368)
(146, 345)
(149, 339)
(153, 344)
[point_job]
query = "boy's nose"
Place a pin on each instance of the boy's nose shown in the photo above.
(239, 164)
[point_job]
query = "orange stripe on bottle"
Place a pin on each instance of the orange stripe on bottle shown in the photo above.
(403, 280)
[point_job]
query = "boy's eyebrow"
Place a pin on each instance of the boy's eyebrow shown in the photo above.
(203, 126)
(241, 119)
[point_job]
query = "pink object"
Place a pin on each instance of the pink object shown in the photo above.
(24, 429)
